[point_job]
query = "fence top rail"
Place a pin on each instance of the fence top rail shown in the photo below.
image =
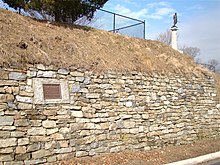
(126, 27)
(122, 15)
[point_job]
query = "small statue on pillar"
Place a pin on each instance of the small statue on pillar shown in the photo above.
(174, 20)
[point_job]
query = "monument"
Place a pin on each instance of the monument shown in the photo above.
(174, 29)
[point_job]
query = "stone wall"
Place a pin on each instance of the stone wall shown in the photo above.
(102, 113)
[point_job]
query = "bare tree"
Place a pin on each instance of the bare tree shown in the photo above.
(191, 51)
(165, 37)
(215, 64)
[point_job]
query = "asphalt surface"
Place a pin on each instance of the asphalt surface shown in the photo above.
(212, 162)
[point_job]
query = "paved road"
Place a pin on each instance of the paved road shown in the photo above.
(213, 162)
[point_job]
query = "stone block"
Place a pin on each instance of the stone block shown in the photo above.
(40, 154)
(63, 150)
(46, 74)
(6, 150)
(52, 159)
(8, 142)
(129, 124)
(77, 74)
(86, 140)
(63, 71)
(20, 157)
(24, 106)
(21, 122)
(37, 161)
(6, 158)
(80, 79)
(77, 114)
(33, 147)
(6, 120)
(92, 95)
(35, 123)
(57, 136)
(20, 150)
(36, 131)
(8, 83)
(14, 163)
(24, 99)
(51, 131)
(76, 88)
(49, 124)
(18, 134)
(17, 76)
(4, 98)
(81, 153)
(23, 141)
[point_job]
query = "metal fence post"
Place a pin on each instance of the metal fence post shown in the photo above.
(144, 29)
(114, 25)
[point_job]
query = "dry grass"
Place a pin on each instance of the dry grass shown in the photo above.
(67, 45)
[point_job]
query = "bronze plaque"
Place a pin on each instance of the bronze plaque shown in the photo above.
(52, 91)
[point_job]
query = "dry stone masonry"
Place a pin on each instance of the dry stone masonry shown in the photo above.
(100, 113)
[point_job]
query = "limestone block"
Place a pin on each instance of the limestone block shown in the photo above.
(8, 83)
(6, 150)
(33, 147)
(31, 73)
(17, 76)
(6, 157)
(37, 161)
(81, 153)
(6, 120)
(134, 130)
(24, 106)
(36, 131)
(24, 99)
(218, 106)
(104, 125)
(35, 123)
(72, 107)
(129, 124)
(6, 98)
(77, 74)
(92, 95)
(41, 153)
(112, 126)
(89, 126)
(18, 134)
(8, 142)
(46, 74)
(87, 140)
(77, 114)
(21, 122)
(49, 124)
(63, 144)
(128, 104)
(76, 88)
(20, 150)
(63, 150)
(27, 94)
(64, 130)
(52, 131)
(63, 71)
(51, 159)
(145, 116)
(22, 157)
(80, 79)
(57, 136)
(23, 141)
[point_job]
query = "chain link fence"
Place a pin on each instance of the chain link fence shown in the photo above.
(118, 23)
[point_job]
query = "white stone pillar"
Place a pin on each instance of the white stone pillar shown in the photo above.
(174, 37)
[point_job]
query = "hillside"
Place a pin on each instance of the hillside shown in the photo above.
(27, 41)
